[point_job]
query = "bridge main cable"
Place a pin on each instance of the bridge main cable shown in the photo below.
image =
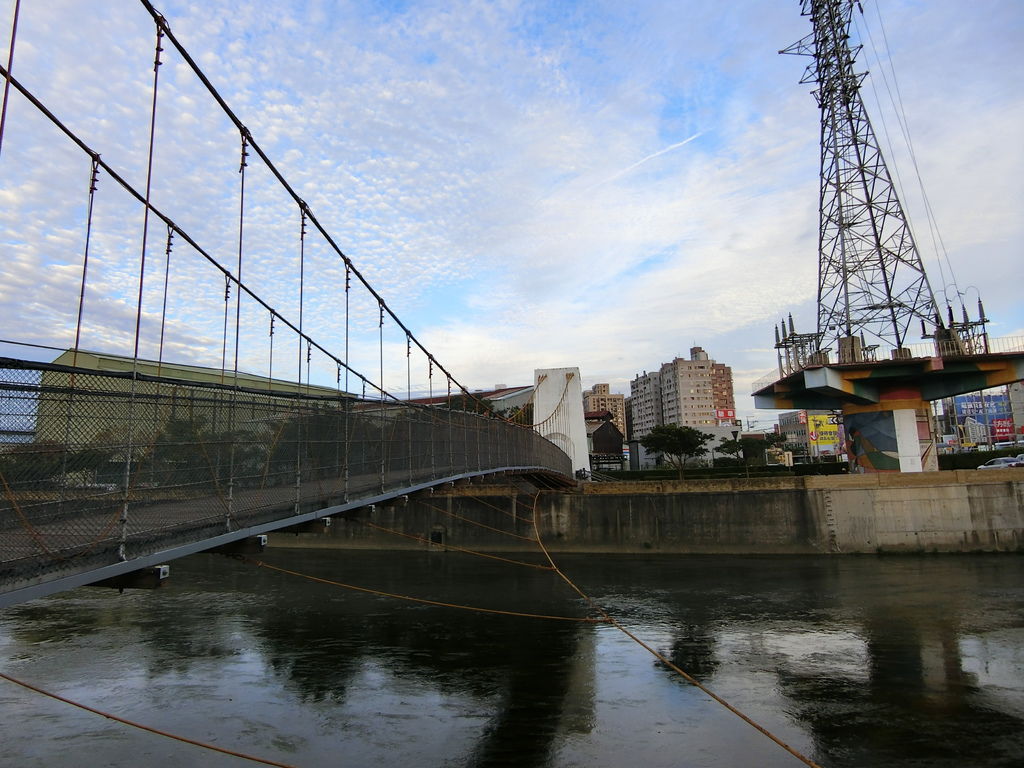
(24, 91)
(161, 21)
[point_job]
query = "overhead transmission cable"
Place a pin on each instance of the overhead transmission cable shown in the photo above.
(887, 71)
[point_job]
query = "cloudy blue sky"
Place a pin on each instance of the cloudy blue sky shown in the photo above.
(528, 184)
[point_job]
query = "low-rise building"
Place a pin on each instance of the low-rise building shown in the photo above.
(604, 441)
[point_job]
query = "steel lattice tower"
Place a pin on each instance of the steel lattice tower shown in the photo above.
(872, 286)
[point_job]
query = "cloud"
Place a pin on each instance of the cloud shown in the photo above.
(526, 184)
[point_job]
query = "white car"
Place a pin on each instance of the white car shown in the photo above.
(1003, 462)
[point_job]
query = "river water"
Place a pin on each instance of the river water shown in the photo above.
(853, 661)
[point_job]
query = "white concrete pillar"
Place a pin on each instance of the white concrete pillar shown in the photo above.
(558, 412)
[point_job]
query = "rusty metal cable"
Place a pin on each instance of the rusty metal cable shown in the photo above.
(410, 598)
(478, 524)
(474, 552)
(140, 726)
(664, 660)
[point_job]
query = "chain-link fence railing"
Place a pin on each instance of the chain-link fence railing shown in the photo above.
(100, 468)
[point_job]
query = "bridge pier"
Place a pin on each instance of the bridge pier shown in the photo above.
(893, 435)
(885, 404)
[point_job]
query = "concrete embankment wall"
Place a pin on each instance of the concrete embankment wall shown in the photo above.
(961, 511)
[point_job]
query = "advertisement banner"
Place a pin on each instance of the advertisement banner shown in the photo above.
(823, 434)
(1002, 429)
(983, 406)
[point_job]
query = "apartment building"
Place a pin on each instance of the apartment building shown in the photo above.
(687, 392)
(600, 398)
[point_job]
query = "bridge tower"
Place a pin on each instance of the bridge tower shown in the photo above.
(558, 413)
(872, 288)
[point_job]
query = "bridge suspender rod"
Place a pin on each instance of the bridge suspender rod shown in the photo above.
(299, 416)
(383, 420)
(130, 447)
(10, 68)
(430, 399)
(241, 227)
(163, 310)
(451, 439)
(93, 183)
(149, 186)
(348, 405)
(270, 367)
(408, 396)
(224, 332)
(232, 412)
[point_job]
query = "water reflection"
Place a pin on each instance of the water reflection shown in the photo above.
(858, 661)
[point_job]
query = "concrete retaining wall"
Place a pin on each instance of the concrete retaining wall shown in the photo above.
(959, 511)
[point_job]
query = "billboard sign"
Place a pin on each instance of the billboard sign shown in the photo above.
(823, 433)
(725, 413)
(983, 406)
(1002, 429)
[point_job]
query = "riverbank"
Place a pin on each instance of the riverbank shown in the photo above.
(959, 511)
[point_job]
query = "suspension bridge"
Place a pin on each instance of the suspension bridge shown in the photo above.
(166, 405)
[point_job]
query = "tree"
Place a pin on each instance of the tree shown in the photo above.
(744, 449)
(522, 416)
(470, 403)
(730, 447)
(676, 443)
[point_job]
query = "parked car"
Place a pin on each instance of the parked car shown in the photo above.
(1002, 462)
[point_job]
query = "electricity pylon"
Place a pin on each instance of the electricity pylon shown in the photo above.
(872, 287)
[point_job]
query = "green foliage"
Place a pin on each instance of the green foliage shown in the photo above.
(676, 443)
(730, 447)
(46, 463)
(523, 416)
(469, 403)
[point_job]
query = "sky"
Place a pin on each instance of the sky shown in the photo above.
(528, 185)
